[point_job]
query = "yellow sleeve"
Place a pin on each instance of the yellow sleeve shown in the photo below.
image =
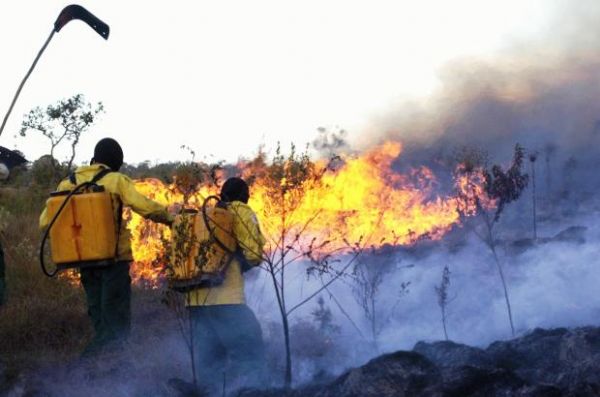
(44, 221)
(141, 204)
(248, 234)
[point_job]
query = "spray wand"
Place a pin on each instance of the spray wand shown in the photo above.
(68, 14)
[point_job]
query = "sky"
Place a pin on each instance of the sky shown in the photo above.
(225, 77)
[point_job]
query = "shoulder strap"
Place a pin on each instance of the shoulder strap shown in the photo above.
(100, 175)
(95, 179)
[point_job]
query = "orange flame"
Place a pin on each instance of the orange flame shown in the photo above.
(363, 200)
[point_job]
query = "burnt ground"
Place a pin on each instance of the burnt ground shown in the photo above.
(558, 362)
(545, 363)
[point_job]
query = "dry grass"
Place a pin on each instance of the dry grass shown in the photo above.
(43, 323)
(42, 319)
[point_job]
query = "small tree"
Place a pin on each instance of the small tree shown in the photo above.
(442, 297)
(499, 189)
(64, 121)
(43, 171)
(367, 279)
(285, 180)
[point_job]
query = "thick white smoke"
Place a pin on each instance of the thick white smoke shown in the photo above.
(539, 90)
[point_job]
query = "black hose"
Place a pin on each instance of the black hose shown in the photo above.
(47, 232)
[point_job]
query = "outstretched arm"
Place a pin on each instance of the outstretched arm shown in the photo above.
(141, 204)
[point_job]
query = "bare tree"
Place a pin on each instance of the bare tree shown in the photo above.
(442, 297)
(499, 189)
(367, 279)
(64, 121)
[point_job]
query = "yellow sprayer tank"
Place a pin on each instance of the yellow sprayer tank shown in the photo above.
(85, 229)
(197, 260)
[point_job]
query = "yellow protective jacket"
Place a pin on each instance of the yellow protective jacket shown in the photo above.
(251, 242)
(121, 188)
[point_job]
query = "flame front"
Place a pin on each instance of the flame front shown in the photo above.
(364, 200)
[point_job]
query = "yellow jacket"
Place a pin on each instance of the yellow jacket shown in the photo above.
(121, 188)
(250, 242)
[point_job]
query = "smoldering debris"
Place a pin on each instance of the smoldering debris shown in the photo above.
(557, 362)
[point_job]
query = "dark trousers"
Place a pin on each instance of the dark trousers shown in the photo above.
(228, 347)
(2, 281)
(108, 294)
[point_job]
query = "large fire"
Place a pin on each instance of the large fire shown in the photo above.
(363, 199)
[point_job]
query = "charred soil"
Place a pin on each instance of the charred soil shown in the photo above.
(543, 363)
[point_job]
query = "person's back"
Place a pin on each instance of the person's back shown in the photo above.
(250, 243)
(228, 337)
(108, 288)
(123, 194)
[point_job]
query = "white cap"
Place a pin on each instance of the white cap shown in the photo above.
(4, 172)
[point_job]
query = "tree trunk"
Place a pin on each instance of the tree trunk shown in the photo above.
(508, 307)
(444, 322)
(374, 324)
(286, 331)
(492, 245)
(288, 354)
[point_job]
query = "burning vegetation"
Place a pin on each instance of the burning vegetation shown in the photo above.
(324, 206)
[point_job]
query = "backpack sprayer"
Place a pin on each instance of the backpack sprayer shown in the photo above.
(83, 232)
(203, 246)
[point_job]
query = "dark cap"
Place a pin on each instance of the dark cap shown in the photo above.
(235, 189)
(108, 152)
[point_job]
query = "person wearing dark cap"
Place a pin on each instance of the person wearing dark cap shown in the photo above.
(227, 336)
(108, 289)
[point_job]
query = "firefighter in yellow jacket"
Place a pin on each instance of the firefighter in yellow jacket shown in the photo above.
(227, 336)
(108, 289)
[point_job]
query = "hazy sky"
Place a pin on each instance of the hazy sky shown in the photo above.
(223, 77)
